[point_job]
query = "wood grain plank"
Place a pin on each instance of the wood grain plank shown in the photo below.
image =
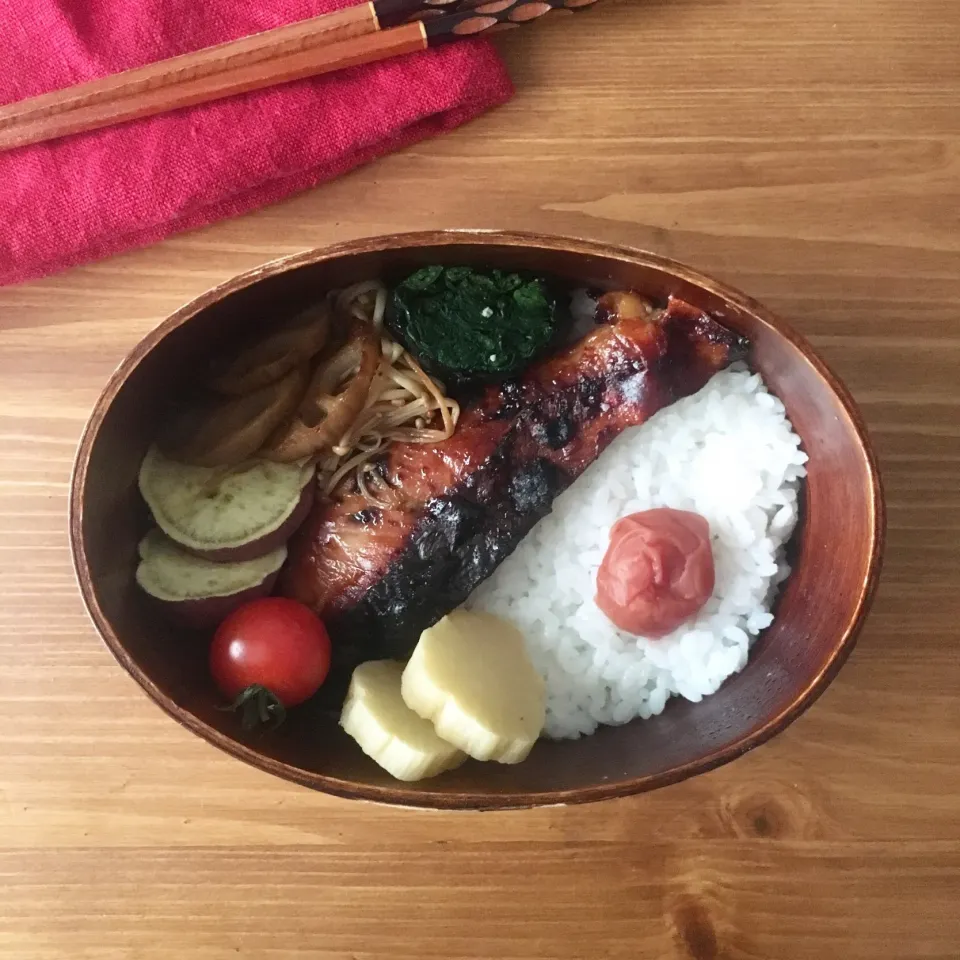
(671, 900)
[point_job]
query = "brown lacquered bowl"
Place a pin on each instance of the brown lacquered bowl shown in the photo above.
(836, 552)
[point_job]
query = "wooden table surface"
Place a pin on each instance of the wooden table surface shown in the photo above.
(808, 152)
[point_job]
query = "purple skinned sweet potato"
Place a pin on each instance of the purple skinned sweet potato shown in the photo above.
(197, 592)
(265, 543)
(227, 516)
(205, 613)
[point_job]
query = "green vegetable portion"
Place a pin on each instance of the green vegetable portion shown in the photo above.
(465, 325)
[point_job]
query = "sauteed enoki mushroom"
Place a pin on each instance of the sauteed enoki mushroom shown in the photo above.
(403, 403)
(303, 392)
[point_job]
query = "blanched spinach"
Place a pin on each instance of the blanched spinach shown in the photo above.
(464, 325)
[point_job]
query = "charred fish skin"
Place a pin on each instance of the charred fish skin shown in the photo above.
(455, 546)
(560, 417)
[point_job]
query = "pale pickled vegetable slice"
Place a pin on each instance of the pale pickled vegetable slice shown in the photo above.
(471, 676)
(388, 731)
(214, 509)
(168, 573)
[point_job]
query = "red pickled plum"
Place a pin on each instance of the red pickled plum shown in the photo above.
(658, 571)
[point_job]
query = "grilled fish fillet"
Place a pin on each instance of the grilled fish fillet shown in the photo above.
(379, 577)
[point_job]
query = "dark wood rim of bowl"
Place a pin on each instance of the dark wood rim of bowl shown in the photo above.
(421, 796)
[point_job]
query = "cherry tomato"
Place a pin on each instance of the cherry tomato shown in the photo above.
(268, 655)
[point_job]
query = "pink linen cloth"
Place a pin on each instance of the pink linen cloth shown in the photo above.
(91, 195)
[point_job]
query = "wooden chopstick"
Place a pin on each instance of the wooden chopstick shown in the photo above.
(208, 74)
(346, 38)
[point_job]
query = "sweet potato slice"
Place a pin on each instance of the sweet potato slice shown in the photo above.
(199, 593)
(226, 515)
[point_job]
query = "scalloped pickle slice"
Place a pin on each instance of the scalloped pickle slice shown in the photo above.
(388, 731)
(471, 677)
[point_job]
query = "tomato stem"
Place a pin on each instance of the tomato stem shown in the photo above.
(258, 706)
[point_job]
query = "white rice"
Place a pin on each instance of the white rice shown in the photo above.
(728, 453)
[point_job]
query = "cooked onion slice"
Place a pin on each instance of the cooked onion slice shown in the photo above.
(225, 431)
(403, 404)
(333, 401)
(291, 344)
